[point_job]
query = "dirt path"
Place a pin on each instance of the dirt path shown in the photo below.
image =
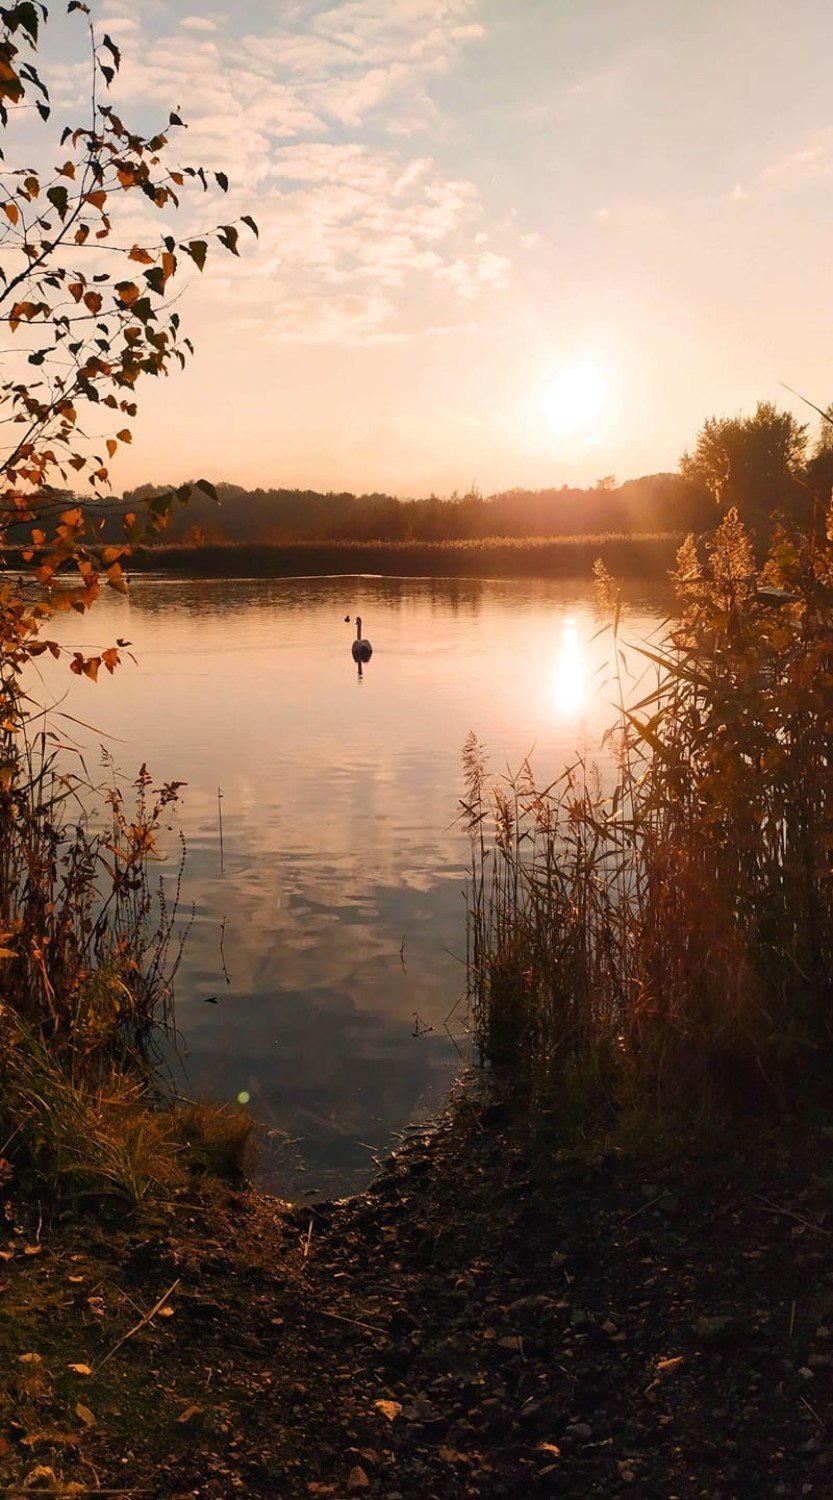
(484, 1322)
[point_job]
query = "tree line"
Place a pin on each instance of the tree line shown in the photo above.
(761, 465)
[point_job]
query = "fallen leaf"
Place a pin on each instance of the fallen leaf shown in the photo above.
(6, 1255)
(188, 1413)
(75, 1279)
(357, 1480)
(32, 1249)
(166, 1311)
(551, 1448)
(670, 1366)
(80, 1369)
(29, 1359)
(40, 1477)
(84, 1414)
(389, 1409)
(451, 1456)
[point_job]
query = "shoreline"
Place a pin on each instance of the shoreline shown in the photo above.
(492, 1318)
(524, 557)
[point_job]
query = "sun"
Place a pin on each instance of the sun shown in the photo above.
(573, 401)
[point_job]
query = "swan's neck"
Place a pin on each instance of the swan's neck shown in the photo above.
(358, 627)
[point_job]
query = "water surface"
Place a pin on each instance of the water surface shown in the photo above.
(324, 974)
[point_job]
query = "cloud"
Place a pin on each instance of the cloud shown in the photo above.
(361, 237)
(198, 23)
(808, 163)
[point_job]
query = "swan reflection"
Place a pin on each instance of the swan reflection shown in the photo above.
(570, 673)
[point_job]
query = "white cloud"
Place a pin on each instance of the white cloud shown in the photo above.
(309, 120)
(198, 23)
(811, 162)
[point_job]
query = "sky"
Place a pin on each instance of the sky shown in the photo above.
(502, 242)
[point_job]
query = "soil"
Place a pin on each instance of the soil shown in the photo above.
(492, 1318)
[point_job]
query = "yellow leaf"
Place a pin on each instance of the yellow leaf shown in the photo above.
(85, 1414)
(80, 1369)
(389, 1409)
(29, 1359)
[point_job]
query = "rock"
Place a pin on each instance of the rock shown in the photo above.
(580, 1430)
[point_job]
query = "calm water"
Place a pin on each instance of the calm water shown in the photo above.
(332, 935)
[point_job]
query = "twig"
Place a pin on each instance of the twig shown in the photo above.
(775, 1208)
(792, 1319)
(142, 1323)
(308, 1240)
(354, 1322)
(642, 1208)
(811, 1410)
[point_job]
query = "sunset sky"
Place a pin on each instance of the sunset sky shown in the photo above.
(503, 242)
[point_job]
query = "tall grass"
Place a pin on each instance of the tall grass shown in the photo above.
(89, 947)
(663, 932)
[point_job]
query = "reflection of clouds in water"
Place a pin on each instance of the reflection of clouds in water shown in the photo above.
(339, 910)
(570, 672)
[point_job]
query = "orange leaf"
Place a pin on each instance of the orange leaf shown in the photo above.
(128, 292)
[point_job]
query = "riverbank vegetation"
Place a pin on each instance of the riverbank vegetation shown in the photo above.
(643, 556)
(654, 935)
(87, 941)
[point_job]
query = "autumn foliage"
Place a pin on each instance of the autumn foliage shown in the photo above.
(88, 316)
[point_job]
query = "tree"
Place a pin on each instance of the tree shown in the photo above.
(820, 464)
(88, 317)
(752, 463)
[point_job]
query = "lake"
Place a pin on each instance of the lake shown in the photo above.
(324, 974)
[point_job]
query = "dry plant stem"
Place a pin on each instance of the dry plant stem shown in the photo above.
(787, 1213)
(137, 1328)
(354, 1322)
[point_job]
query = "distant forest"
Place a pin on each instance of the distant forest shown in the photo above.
(659, 502)
(762, 464)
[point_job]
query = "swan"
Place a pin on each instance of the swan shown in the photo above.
(362, 650)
